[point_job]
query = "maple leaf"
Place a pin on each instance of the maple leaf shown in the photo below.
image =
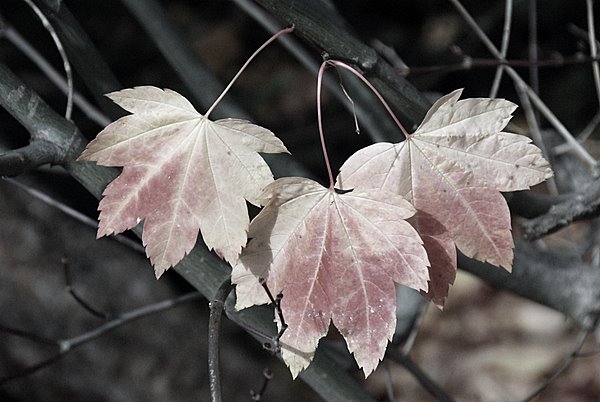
(334, 257)
(451, 169)
(182, 173)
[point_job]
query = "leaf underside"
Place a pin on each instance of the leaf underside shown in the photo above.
(334, 257)
(182, 174)
(452, 169)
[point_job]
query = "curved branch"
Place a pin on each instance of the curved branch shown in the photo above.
(53, 138)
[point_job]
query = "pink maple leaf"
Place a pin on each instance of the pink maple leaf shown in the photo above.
(334, 257)
(183, 173)
(451, 169)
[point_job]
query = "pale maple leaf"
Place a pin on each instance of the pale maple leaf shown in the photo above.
(451, 169)
(334, 257)
(182, 173)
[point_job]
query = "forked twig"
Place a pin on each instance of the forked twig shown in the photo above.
(64, 346)
(535, 99)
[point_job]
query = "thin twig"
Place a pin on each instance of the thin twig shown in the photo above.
(583, 204)
(593, 45)
(27, 335)
(535, 99)
(581, 337)
(534, 130)
(422, 377)
(412, 336)
(389, 382)
(471, 63)
(534, 80)
(87, 306)
(66, 345)
(370, 119)
(73, 213)
(63, 55)
(217, 306)
(13, 36)
(581, 137)
(276, 347)
(267, 377)
(347, 95)
(503, 47)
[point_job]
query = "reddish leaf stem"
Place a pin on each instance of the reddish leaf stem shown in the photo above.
(264, 45)
(324, 65)
(345, 66)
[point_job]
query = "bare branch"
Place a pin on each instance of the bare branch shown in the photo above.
(64, 346)
(581, 337)
(471, 63)
(558, 280)
(535, 99)
(267, 377)
(30, 157)
(583, 204)
(217, 305)
(67, 210)
(11, 34)
(275, 347)
(63, 55)
(593, 45)
(422, 377)
(69, 282)
(534, 80)
(508, 5)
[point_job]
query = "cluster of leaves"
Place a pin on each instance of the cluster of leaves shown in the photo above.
(394, 215)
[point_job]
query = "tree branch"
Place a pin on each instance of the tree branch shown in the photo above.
(318, 23)
(84, 56)
(426, 382)
(217, 305)
(66, 345)
(201, 268)
(30, 157)
(581, 205)
(555, 279)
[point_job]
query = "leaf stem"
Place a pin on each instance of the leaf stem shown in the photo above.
(264, 45)
(340, 64)
(387, 107)
(324, 65)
